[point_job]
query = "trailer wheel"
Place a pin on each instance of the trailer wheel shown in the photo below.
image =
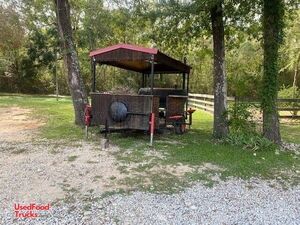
(179, 128)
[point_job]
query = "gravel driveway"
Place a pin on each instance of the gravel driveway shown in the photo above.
(74, 179)
(231, 202)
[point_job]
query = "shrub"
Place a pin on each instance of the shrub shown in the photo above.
(249, 141)
(243, 131)
(240, 118)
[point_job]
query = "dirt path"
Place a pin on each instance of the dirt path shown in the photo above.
(16, 124)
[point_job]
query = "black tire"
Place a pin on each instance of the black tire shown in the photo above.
(178, 128)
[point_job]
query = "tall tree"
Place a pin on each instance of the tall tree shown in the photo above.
(12, 38)
(273, 11)
(75, 81)
(220, 83)
(291, 48)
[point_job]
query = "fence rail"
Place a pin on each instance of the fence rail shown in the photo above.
(204, 101)
(285, 105)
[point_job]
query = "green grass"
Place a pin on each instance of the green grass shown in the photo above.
(58, 115)
(197, 148)
(193, 149)
(291, 132)
(72, 158)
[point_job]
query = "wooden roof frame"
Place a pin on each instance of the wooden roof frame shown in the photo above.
(138, 59)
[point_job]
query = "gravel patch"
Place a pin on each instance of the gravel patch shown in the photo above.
(232, 202)
(48, 171)
(74, 177)
(291, 147)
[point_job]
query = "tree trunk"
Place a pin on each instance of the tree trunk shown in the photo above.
(220, 83)
(75, 81)
(272, 28)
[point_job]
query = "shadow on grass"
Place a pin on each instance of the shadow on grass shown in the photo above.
(195, 149)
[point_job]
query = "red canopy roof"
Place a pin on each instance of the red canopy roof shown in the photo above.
(136, 58)
(124, 46)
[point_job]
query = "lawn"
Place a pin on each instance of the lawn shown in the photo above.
(192, 149)
(57, 114)
(291, 132)
(197, 148)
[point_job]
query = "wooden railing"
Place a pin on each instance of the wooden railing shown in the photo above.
(204, 101)
(287, 107)
(290, 105)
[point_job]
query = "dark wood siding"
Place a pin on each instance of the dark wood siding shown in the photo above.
(175, 105)
(140, 104)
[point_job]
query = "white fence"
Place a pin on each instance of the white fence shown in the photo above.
(287, 108)
(204, 101)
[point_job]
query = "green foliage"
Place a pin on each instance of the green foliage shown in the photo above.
(243, 132)
(290, 50)
(42, 47)
(28, 58)
(241, 119)
(11, 29)
(249, 141)
(179, 28)
(244, 77)
(273, 12)
(273, 20)
(289, 92)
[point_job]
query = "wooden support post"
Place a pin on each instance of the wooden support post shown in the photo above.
(187, 86)
(183, 81)
(152, 73)
(184, 76)
(93, 65)
(187, 93)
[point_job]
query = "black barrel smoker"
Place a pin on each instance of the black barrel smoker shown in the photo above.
(149, 109)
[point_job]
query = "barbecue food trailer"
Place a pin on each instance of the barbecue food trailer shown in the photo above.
(151, 108)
